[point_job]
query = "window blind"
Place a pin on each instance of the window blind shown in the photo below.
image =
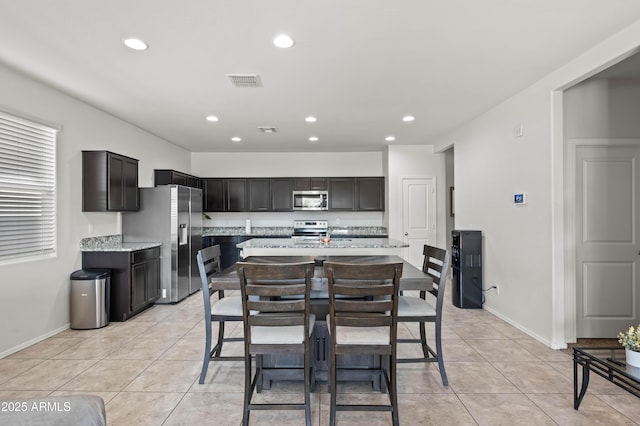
(27, 188)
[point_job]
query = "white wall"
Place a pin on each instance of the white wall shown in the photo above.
(413, 161)
(290, 164)
(524, 245)
(599, 108)
(35, 294)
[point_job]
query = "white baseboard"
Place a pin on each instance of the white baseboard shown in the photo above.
(33, 341)
(524, 330)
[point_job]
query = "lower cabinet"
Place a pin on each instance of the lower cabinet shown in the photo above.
(229, 253)
(135, 279)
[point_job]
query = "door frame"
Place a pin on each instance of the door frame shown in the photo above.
(571, 284)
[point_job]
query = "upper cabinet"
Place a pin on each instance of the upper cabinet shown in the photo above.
(109, 182)
(342, 193)
(370, 194)
(235, 195)
(213, 195)
(310, 183)
(361, 194)
(276, 194)
(173, 177)
(281, 194)
(259, 194)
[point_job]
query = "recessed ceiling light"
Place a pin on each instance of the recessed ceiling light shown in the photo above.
(236, 139)
(310, 119)
(135, 44)
(408, 118)
(212, 118)
(283, 41)
(390, 138)
(313, 139)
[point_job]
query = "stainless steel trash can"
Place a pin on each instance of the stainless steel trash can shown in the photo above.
(90, 297)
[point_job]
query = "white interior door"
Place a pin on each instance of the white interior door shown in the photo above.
(419, 217)
(607, 243)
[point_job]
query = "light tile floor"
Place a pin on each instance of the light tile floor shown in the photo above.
(147, 369)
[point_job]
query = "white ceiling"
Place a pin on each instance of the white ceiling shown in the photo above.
(359, 66)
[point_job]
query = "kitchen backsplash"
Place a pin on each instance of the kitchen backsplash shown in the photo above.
(286, 232)
(285, 219)
(97, 242)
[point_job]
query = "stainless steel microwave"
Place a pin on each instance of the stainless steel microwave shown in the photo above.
(310, 200)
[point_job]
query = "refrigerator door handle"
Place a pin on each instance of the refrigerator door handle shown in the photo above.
(183, 235)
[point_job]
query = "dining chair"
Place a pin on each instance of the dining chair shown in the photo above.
(225, 309)
(362, 320)
(277, 319)
(420, 310)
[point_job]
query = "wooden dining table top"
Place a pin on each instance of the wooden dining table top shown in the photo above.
(412, 277)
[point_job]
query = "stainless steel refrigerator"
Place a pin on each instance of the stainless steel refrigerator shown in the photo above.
(171, 215)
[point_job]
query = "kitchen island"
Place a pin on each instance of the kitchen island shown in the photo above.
(315, 247)
(412, 279)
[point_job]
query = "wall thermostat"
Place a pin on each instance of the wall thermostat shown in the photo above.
(519, 198)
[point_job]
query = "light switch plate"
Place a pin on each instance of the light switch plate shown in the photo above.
(519, 198)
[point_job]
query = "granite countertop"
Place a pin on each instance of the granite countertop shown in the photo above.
(346, 243)
(113, 243)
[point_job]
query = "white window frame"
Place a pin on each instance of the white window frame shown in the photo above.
(28, 189)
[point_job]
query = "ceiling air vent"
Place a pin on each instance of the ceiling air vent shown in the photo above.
(265, 129)
(245, 80)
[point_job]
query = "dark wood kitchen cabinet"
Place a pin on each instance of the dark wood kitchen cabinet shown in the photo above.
(281, 195)
(259, 195)
(310, 183)
(235, 195)
(213, 195)
(135, 279)
(224, 195)
(342, 194)
(109, 182)
(173, 177)
(229, 253)
(275, 194)
(370, 194)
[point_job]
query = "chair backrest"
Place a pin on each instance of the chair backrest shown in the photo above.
(208, 264)
(275, 295)
(436, 264)
(363, 295)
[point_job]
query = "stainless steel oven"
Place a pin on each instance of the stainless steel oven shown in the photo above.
(310, 200)
(310, 229)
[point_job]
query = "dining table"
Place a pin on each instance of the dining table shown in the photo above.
(412, 279)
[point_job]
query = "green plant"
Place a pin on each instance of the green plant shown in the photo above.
(630, 339)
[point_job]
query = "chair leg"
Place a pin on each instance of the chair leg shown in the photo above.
(248, 389)
(443, 373)
(307, 384)
(393, 390)
(423, 340)
(207, 352)
(260, 375)
(333, 389)
(218, 347)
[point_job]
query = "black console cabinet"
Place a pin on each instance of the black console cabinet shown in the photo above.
(466, 268)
